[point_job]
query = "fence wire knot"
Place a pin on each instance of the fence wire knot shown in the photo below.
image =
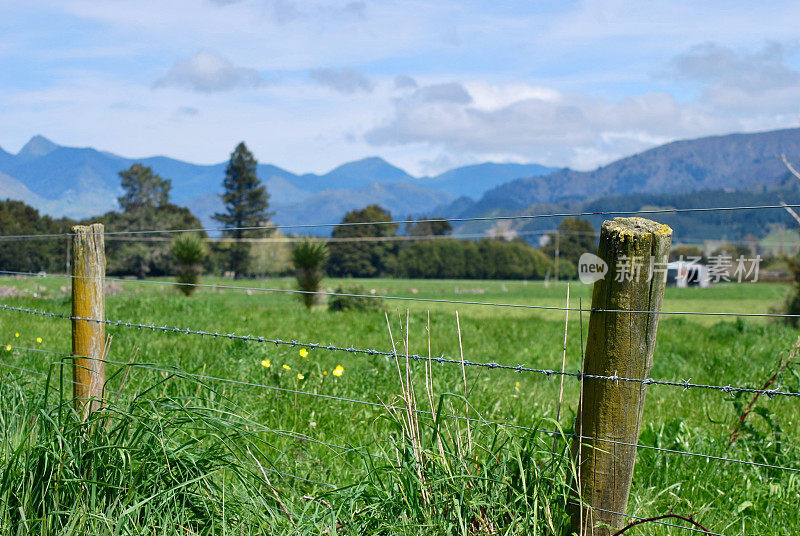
(686, 384)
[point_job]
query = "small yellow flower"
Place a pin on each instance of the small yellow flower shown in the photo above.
(39, 340)
(287, 367)
(300, 376)
(8, 347)
(338, 370)
(266, 363)
(517, 386)
(303, 352)
(16, 334)
(324, 372)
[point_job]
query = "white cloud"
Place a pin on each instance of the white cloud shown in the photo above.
(543, 125)
(207, 72)
(342, 80)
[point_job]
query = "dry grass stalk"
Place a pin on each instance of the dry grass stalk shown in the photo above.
(464, 376)
(409, 419)
(563, 368)
(274, 491)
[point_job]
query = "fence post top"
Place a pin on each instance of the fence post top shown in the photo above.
(635, 226)
(94, 228)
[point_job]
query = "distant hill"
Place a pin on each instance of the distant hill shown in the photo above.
(470, 181)
(732, 162)
(82, 182)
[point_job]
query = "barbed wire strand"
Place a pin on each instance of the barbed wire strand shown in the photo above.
(428, 220)
(684, 384)
(179, 374)
(406, 298)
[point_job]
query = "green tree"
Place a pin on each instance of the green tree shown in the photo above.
(145, 196)
(25, 255)
(465, 259)
(246, 205)
(309, 259)
(429, 227)
(148, 255)
(574, 237)
(143, 188)
(367, 257)
(190, 252)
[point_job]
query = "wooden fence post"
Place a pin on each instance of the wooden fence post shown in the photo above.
(619, 344)
(88, 301)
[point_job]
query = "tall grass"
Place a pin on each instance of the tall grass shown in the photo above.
(729, 498)
(148, 466)
(453, 474)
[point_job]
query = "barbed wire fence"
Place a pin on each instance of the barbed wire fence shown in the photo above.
(680, 384)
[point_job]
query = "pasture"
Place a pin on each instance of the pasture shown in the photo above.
(242, 457)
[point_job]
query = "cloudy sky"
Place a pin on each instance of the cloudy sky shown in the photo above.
(426, 84)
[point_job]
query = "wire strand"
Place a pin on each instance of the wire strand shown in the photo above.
(684, 384)
(428, 220)
(407, 298)
(185, 374)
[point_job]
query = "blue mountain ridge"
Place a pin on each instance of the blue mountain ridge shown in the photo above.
(82, 182)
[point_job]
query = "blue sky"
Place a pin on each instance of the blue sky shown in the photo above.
(428, 85)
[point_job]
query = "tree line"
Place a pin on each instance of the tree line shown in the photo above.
(365, 244)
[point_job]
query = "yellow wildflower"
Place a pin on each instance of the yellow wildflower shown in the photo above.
(16, 334)
(338, 370)
(300, 376)
(324, 372)
(303, 352)
(517, 386)
(8, 347)
(39, 340)
(287, 367)
(266, 363)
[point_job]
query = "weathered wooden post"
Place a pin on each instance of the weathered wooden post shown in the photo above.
(88, 302)
(620, 344)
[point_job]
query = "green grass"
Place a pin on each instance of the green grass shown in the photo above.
(729, 498)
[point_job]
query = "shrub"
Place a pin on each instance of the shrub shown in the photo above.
(190, 251)
(309, 259)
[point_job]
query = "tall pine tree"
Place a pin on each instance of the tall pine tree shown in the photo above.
(246, 202)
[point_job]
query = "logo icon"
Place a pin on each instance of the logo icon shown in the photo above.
(591, 268)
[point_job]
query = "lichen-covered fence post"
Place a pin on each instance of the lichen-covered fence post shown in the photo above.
(88, 302)
(620, 344)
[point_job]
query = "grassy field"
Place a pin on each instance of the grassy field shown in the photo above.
(186, 455)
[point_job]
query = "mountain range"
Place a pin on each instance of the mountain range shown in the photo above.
(84, 182)
(729, 162)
